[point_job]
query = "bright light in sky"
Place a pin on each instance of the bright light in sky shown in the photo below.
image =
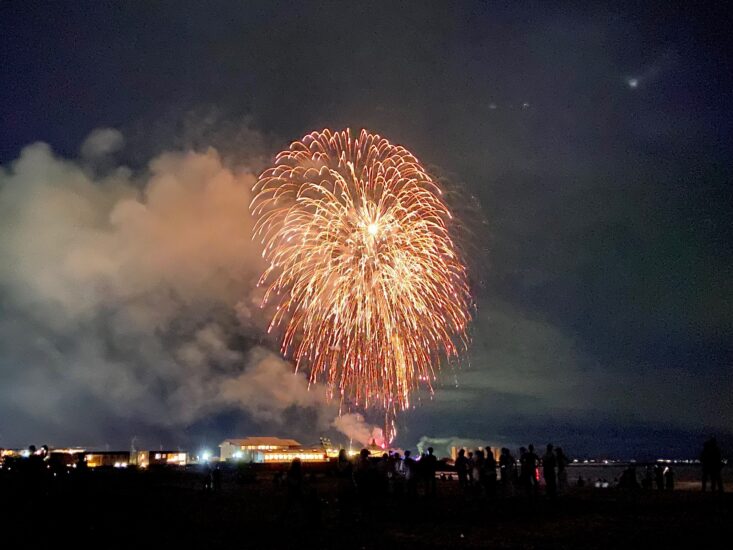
(633, 82)
(372, 228)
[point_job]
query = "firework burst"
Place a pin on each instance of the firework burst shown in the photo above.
(371, 293)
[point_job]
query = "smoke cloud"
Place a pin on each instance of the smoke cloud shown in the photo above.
(357, 429)
(443, 445)
(133, 296)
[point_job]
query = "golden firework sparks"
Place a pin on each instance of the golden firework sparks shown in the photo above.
(370, 290)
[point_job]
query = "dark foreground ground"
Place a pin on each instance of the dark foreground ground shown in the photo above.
(146, 509)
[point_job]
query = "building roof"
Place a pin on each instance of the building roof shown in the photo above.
(255, 441)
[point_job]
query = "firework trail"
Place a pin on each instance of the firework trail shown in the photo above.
(371, 293)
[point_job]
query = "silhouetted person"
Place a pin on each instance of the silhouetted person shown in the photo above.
(410, 476)
(562, 474)
(659, 476)
(462, 468)
(477, 465)
(469, 463)
(488, 473)
(712, 465)
(507, 470)
(216, 479)
(34, 460)
(301, 503)
(382, 472)
(399, 474)
(669, 478)
(362, 476)
(648, 482)
(431, 467)
(549, 466)
(628, 478)
(33, 470)
(528, 474)
(580, 482)
(295, 481)
(345, 477)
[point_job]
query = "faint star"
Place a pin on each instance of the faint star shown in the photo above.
(633, 83)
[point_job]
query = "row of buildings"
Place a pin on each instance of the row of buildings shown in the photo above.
(97, 459)
(268, 450)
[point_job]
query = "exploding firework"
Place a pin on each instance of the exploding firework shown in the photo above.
(369, 287)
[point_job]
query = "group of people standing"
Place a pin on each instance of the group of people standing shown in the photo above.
(389, 474)
(478, 470)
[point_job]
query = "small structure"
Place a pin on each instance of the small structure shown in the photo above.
(107, 459)
(146, 459)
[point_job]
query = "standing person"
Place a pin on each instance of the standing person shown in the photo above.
(659, 476)
(431, 467)
(398, 483)
(477, 466)
(562, 474)
(529, 472)
(507, 470)
(383, 470)
(345, 475)
(469, 475)
(712, 464)
(362, 477)
(524, 475)
(216, 479)
(549, 465)
(295, 482)
(488, 475)
(422, 474)
(669, 478)
(410, 476)
(462, 468)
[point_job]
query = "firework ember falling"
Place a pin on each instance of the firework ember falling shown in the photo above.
(370, 289)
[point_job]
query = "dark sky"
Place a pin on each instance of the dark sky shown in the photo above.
(596, 139)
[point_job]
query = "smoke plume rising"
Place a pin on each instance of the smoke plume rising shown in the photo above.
(132, 296)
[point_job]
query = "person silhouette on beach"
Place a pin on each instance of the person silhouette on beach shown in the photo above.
(411, 475)
(528, 464)
(712, 465)
(431, 467)
(488, 474)
(549, 465)
(462, 468)
(562, 474)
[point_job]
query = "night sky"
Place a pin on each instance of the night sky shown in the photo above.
(596, 140)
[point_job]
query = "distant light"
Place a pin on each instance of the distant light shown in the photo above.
(633, 82)
(206, 455)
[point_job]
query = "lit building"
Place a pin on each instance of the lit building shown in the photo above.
(269, 450)
(9, 454)
(145, 459)
(107, 459)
